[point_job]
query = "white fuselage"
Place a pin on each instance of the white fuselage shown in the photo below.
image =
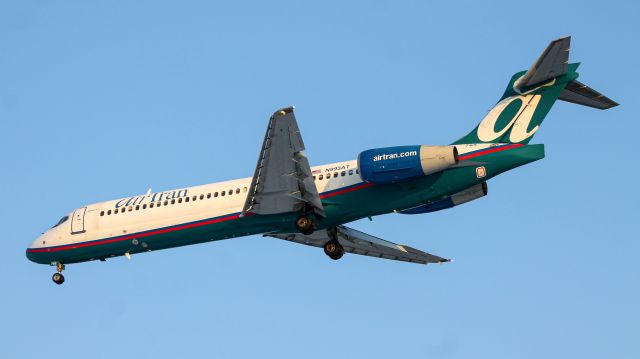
(169, 208)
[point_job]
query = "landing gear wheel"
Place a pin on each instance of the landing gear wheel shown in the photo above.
(58, 278)
(304, 225)
(333, 249)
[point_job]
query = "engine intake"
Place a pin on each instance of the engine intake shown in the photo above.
(402, 163)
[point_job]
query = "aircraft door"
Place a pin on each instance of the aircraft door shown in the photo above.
(77, 222)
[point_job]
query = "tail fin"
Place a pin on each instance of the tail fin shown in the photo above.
(531, 94)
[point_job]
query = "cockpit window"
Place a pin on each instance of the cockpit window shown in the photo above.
(61, 221)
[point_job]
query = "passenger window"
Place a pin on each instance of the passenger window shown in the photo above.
(201, 196)
(115, 211)
(173, 201)
(223, 193)
(215, 194)
(166, 203)
(335, 174)
(151, 205)
(350, 172)
(244, 189)
(357, 171)
(137, 207)
(130, 208)
(343, 173)
(144, 206)
(208, 195)
(230, 192)
(102, 213)
(321, 177)
(195, 197)
(108, 212)
(237, 190)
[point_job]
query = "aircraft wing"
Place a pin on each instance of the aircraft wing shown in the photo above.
(282, 181)
(361, 243)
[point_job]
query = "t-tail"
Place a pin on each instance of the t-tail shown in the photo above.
(529, 97)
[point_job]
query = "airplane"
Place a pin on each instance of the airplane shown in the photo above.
(288, 199)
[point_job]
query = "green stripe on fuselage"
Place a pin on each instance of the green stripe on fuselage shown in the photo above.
(341, 208)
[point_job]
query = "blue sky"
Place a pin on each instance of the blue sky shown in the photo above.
(100, 100)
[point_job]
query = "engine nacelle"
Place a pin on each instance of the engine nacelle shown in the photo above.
(402, 163)
(469, 194)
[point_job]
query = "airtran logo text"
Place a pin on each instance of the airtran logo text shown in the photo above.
(151, 197)
(393, 156)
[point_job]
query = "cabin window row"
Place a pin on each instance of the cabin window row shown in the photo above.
(172, 201)
(335, 175)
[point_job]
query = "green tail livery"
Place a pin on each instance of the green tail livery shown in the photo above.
(286, 198)
(530, 95)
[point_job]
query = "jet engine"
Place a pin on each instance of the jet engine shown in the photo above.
(469, 194)
(402, 163)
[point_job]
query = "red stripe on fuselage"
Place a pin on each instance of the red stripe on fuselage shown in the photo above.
(137, 235)
(489, 150)
(235, 216)
(346, 190)
(175, 228)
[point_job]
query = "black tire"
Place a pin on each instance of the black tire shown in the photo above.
(58, 278)
(334, 250)
(304, 225)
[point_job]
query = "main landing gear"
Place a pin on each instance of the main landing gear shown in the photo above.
(334, 249)
(58, 278)
(305, 225)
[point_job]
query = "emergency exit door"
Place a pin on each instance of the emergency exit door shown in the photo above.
(77, 223)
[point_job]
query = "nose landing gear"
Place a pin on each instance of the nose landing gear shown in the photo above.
(58, 278)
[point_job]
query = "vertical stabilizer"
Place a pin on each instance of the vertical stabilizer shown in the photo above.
(530, 95)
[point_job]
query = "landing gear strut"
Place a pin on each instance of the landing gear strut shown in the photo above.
(334, 249)
(58, 278)
(305, 225)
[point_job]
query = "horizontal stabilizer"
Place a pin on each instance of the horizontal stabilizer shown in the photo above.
(581, 94)
(552, 63)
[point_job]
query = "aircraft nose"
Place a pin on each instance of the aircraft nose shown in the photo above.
(32, 252)
(30, 255)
